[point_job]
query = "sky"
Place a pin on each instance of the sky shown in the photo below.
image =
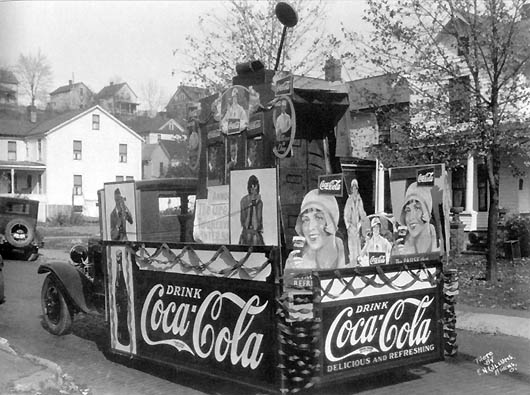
(96, 41)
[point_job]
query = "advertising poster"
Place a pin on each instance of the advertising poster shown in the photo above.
(396, 322)
(120, 210)
(211, 222)
(121, 301)
(253, 207)
(214, 324)
(234, 109)
(421, 210)
(284, 120)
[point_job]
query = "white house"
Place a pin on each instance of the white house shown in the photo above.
(67, 159)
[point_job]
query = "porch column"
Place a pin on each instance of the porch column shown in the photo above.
(379, 187)
(470, 182)
(12, 181)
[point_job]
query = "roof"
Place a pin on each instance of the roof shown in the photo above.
(378, 91)
(49, 124)
(175, 149)
(111, 90)
(66, 88)
(147, 150)
(22, 164)
(146, 124)
(7, 77)
(193, 92)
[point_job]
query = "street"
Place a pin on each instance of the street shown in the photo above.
(81, 355)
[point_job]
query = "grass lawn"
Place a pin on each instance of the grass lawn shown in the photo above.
(512, 290)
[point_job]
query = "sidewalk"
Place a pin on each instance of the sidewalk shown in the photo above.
(27, 374)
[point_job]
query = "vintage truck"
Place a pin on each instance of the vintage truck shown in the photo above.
(192, 272)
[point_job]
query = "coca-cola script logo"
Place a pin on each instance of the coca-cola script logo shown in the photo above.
(377, 258)
(185, 323)
(425, 177)
(333, 185)
(330, 184)
(349, 335)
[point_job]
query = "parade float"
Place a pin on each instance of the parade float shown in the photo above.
(222, 275)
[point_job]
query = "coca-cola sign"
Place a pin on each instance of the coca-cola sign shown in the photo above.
(331, 184)
(373, 332)
(425, 177)
(205, 323)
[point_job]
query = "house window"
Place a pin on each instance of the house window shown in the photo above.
(11, 150)
(161, 169)
(81, 92)
(482, 181)
(521, 184)
(459, 100)
(119, 178)
(458, 178)
(159, 137)
(78, 185)
(39, 148)
(129, 178)
(171, 126)
(29, 183)
(39, 184)
(77, 149)
(95, 122)
(123, 153)
(463, 45)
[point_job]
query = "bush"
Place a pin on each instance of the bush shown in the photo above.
(517, 227)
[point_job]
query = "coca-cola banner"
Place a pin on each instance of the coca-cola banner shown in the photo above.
(331, 184)
(379, 319)
(219, 325)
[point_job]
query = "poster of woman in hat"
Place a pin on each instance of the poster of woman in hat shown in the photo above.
(421, 210)
(316, 227)
(416, 214)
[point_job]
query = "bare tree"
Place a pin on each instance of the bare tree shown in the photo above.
(250, 30)
(35, 75)
(153, 96)
(465, 61)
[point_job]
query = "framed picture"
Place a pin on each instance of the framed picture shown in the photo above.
(253, 207)
(216, 161)
(120, 211)
(235, 154)
(254, 152)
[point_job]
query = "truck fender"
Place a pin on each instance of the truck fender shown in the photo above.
(77, 288)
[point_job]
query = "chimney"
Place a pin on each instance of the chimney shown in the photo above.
(70, 82)
(111, 83)
(332, 69)
(32, 113)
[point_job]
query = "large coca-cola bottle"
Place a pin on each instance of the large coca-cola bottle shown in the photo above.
(122, 303)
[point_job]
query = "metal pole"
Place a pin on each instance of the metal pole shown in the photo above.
(280, 48)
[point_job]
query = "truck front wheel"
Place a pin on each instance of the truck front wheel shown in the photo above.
(57, 317)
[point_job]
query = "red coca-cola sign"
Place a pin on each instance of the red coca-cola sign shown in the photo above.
(331, 184)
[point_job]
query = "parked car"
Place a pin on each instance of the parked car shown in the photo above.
(2, 296)
(18, 227)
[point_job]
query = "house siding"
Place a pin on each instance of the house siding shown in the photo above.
(99, 163)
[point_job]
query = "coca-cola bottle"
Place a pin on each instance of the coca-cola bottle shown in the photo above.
(122, 303)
